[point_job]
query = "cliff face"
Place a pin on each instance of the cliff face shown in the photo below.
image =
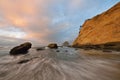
(101, 29)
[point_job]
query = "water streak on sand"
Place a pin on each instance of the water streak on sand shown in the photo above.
(64, 65)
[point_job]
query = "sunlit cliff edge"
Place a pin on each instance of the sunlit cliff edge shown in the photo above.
(101, 29)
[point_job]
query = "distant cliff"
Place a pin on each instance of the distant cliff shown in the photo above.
(101, 29)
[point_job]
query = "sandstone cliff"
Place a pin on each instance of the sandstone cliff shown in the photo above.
(101, 29)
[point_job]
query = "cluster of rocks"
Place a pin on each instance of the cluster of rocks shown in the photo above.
(23, 48)
(50, 46)
(40, 48)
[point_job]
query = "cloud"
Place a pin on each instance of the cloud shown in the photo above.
(27, 15)
(33, 18)
(12, 42)
(75, 4)
(43, 21)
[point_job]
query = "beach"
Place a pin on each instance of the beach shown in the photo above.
(63, 63)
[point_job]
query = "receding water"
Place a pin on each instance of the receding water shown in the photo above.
(4, 51)
(61, 64)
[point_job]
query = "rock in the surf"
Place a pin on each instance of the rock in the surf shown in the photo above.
(53, 46)
(21, 49)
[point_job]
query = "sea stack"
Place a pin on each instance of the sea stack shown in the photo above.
(101, 30)
(21, 49)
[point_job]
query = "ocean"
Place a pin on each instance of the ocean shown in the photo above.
(63, 63)
(4, 51)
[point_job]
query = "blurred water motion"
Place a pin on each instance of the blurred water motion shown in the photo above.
(65, 64)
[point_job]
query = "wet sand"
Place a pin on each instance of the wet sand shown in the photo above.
(61, 64)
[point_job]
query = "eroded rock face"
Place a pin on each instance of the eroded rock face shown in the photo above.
(53, 46)
(101, 29)
(22, 49)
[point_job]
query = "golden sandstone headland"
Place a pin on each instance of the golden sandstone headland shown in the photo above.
(102, 31)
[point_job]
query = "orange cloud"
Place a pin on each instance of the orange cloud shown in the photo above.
(33, 17)
(24, 13)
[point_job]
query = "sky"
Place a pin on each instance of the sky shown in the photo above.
(46, 21)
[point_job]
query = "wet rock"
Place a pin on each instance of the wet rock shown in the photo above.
(57, 50)
(22, 49)
(40, 48)
(106, 51)
(23, 61)
(53, 46)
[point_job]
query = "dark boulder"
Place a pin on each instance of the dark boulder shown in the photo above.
(22, 49)
(40, 48)
(53, 46)
(23, 61)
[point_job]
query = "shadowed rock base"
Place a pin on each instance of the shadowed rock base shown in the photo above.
(105, 47)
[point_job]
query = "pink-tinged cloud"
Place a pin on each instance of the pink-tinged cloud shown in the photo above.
(28, 15)
(34, 18)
